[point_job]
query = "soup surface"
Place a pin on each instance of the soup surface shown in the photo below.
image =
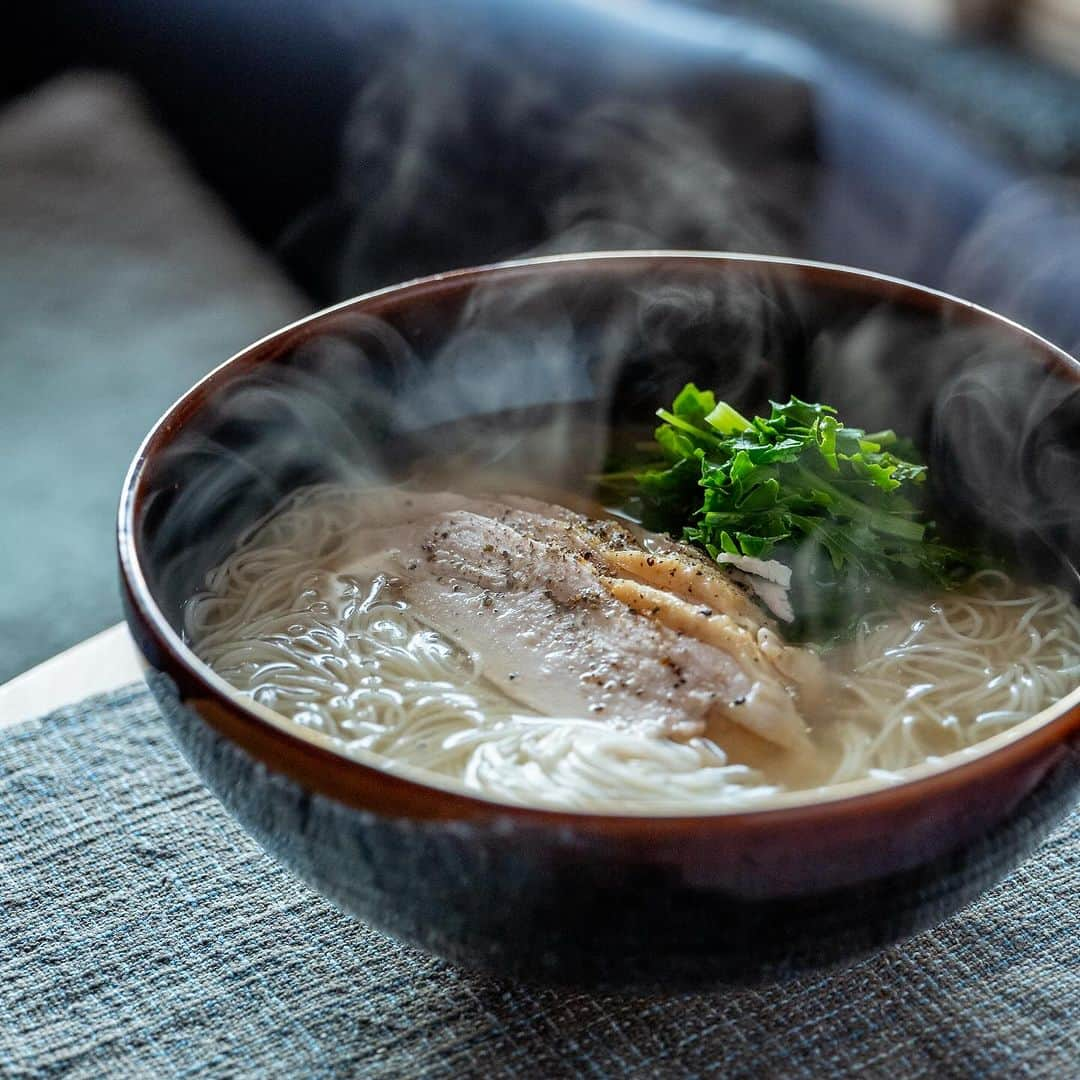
(536, 654)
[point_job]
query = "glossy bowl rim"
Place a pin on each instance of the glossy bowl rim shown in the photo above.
(1051, 726)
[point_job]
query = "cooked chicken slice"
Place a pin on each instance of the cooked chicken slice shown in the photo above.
(779, 721)
(656, 560)
(546, 631)
(690, 581)
(678, 569)
(537, 593)
(703, 623)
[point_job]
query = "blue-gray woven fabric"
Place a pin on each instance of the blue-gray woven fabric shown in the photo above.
(144, 934)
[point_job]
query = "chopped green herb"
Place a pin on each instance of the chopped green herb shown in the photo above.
(845, 509)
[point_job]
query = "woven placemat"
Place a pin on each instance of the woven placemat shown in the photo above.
(144, 934)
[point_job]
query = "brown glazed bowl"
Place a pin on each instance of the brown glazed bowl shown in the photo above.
(527, 366)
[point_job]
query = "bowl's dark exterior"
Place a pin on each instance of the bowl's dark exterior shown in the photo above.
(681, 908)
(589, 899)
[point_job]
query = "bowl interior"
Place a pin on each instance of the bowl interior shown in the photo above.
(537, 370)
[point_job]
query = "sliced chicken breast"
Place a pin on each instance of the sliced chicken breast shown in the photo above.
(575, 616)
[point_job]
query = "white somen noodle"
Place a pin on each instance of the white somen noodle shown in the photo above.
(343, 656)
(940, 674)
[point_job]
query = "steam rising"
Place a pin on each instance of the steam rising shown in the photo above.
(481, 133)
(467, 144)
(1020, 258)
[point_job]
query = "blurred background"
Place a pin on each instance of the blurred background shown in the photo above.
(179, 179)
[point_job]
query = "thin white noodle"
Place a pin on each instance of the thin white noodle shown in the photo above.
(340, 655)
(936, 676)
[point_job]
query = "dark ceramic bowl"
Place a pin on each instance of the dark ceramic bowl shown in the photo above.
(530, 366)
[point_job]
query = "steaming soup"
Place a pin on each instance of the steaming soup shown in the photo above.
(538, 654)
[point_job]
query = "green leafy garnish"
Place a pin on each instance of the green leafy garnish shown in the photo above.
(843, 508)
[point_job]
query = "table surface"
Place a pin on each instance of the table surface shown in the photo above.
(100, 663)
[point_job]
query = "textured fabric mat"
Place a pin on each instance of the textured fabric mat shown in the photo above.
(144, 934)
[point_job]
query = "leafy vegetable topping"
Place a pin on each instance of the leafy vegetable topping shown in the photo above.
(838, 505)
